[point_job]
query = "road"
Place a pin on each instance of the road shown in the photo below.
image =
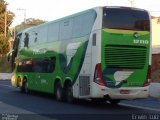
(16, 105)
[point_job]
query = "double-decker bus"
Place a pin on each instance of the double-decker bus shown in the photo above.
(100, 54)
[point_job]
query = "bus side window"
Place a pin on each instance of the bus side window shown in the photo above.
(16, 44)
(44, 65)
(48, 65)
(15, 49)
(52, 64)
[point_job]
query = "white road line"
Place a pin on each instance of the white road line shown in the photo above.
(9, 86)
(140, 107)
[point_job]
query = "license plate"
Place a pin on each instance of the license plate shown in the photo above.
(124, 91)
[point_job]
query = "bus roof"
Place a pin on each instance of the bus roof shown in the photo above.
(77, 14)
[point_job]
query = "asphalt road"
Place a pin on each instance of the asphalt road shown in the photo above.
(15, 106)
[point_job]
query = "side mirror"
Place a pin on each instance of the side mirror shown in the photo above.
(9, 54)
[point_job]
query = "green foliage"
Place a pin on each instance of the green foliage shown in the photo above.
(2, 6)
(9, 17)
(5, 66)
(4, 45)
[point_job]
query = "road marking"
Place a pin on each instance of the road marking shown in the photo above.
(9, 86)
(140, 107)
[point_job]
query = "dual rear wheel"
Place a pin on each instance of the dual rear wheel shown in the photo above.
(24, 87)
(64, 94)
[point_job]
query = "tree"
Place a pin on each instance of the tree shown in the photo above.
(4, 44)
(2, 6)
(9, 17)
(30, 22)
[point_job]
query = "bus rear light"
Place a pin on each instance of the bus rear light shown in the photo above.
(98, 75)
(148, 78)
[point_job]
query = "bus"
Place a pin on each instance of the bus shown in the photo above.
(101, 54)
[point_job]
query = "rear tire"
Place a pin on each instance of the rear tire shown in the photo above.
(58, 91)
(69, 93)
(24, 88)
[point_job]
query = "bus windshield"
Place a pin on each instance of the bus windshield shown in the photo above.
(126, 19)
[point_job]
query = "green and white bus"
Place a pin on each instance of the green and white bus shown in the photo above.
(101, 54)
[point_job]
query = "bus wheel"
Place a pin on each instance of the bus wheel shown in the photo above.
(58, 91)
(69, 93)
(25, 86)
(114, 102)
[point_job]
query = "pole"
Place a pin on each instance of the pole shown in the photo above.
(5, 22)
(132, 3)
(24, 12)
(24, 16)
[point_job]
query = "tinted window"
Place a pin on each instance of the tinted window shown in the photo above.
(44, 65)
(15, 48)
(82, 24)
(123, 18)
(16, 43)
(25, 66)
(39, 65)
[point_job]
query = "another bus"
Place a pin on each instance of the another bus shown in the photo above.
(102, 54)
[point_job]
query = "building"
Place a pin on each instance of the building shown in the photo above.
(155, 49)
(155, 31)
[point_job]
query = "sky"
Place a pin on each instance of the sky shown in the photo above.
(53, 9)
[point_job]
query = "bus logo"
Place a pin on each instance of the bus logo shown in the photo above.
(135, 35)
(137, 41)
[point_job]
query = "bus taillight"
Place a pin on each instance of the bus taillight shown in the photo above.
(98, 75)
(148, 78)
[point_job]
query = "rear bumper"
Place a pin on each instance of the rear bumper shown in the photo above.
(114, 93)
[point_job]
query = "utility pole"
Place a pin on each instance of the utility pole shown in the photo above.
(5, 21)
(24, 12)
(107, 2)
(131, 2)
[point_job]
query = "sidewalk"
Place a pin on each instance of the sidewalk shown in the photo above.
(155, 90)
(5, 76)
(150, 102)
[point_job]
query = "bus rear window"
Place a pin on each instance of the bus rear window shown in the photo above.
(127, 19)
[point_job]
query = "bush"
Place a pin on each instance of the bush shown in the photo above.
(5, 66)
(4, 45)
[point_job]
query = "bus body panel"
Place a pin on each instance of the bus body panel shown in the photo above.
(125, 53)
(76, 48)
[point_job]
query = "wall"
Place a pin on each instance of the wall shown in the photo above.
(155, 31)
(155, 68)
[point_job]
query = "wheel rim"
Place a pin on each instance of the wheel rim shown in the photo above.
(69, 94)
(26, 87)
(58, 94)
